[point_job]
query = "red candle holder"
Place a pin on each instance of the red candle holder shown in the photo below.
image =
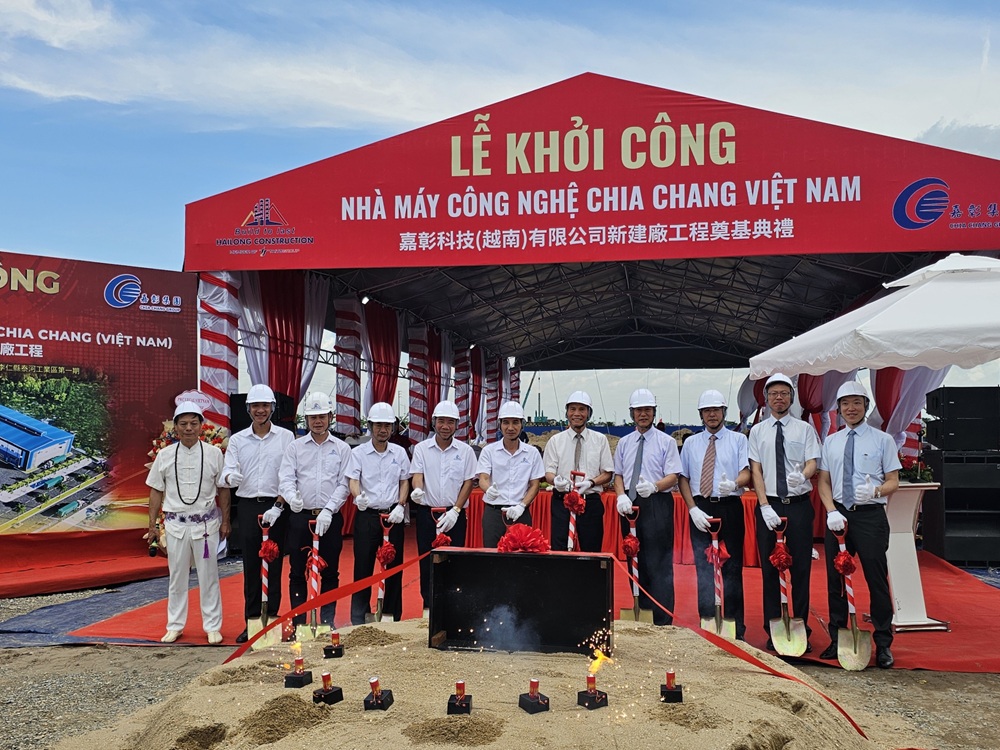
(592, 698)
(460, 703)
(533, 701)
(329, 693)
(378, 699)
(671, 691)
(334, 649)
(299, 676)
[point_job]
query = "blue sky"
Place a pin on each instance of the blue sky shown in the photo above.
(114, 115)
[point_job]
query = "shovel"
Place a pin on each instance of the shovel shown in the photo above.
(273, 636)
(380, 601)
(854, 646)
(572, 542)
(636, 613)
(725, 627)
(788, 634)
(317, 628)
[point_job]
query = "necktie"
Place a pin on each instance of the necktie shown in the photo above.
(577, 450)
(707, 484)
(848, 497)
(779, 460)
(636, 468)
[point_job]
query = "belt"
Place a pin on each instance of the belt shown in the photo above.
(191, 517)
(311, 511)
(376, 510)
(727, 500)
(865, 507)
(789, 500)
(260, 499)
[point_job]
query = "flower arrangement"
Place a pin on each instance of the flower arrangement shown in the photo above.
(210, 433)
(914, 470)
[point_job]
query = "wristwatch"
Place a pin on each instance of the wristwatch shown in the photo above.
(456, 509)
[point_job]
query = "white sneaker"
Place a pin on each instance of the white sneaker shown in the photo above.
(171, 636)
(215, 637)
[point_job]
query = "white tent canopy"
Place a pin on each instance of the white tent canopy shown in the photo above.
(948, 314)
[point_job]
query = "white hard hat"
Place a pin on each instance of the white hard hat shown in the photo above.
(188, 407)
(445, 409)
(381, 412)
(711, 398)
(778, 378)
(317, 403)
(579, 397)
(510, 410)
(640, 397)
(851, 388)
(260, 394)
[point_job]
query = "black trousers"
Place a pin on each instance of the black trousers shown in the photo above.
(299, 547)
(730, 511)
(589, 524)
(655, 532)
(251, 537)
(367, 540)
(426, 534)
(495, 525)
(798, 539)
(868, 537)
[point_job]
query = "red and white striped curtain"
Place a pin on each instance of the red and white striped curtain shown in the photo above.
(348, 349)
(218, 319)
(477, 414)
(494, 371)
(515, 384)
(899, 396)
(463, 389)
(417, 374)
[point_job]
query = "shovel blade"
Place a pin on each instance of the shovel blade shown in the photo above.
(854, 648)
(721, 626)
(788, 634)
(271, 638)
(635, 614)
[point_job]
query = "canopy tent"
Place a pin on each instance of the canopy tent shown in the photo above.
(945, 314)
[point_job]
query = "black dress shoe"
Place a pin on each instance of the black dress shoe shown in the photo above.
(830, 652)
(883, 657)
(242, 637)
(769, 645)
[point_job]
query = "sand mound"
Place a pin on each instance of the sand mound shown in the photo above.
(727, 703)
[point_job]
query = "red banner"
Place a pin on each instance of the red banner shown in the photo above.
(598, 169)
(91, 357)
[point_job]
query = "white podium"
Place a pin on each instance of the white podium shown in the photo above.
(902, 508)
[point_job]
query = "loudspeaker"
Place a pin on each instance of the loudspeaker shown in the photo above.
(239, 418)
(964, 403)
(520, 601)
(964, 434)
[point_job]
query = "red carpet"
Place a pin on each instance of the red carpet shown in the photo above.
(950, 594)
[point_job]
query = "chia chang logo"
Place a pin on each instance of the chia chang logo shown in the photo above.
(921, 203)
(125, 290)
(264, 230)
(122, 291)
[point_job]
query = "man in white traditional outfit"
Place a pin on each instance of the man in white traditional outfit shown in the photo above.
(184, 480)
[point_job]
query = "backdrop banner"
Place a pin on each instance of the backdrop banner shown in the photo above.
(91, 358)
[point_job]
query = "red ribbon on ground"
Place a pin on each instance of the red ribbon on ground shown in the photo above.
(781, 558)
(574, 502)
(386, 554)
(630, 546)
(269, 551)
(523, 538)
(844, 563)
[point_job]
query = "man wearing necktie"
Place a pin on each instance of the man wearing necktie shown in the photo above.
(783, 452)
(714, 465)
(646, 468)
(578, 449)
(859, 469)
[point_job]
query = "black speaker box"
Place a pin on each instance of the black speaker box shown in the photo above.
(964, 434)
(519, 601)
(239, 418)
(949, 402)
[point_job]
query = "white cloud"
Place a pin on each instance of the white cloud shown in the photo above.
(63, 24)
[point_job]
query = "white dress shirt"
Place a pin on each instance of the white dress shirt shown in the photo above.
(258, 459)
(875, 455)
(379, 473)
(444, 471)
(510, 473)
(659, 456)
(595, 455)
(801, 445)
(316, 470)
(730, 459)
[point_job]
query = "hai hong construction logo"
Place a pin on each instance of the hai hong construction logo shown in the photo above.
(125, 290)
(921, 203)
(264, 230)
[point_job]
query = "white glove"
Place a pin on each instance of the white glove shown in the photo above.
(397, 514)
(815, 554)
(295, 502)
(771, 518)
(624, 505)
(561, 483)
(235, 479)
(361, 501)
(492, 494)
(644, 488)
(583, 486)
(800, 489)
(796, 478)
(513, 512)
(447, 521)
(272, 514)
(323, 521)
(700, 519)
(726, 486)
(835, 520)
(864, 493)
(417, 494)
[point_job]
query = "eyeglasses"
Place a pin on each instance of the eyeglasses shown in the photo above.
(780, 394)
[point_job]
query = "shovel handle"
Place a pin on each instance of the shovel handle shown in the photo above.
(715, 528)
(840, 535)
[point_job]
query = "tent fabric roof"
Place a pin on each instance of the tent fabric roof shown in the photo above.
(696, 313)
